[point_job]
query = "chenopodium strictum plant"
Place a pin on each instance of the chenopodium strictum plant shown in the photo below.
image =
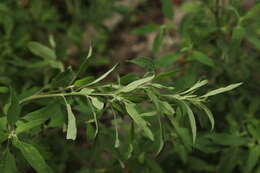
(163, 102)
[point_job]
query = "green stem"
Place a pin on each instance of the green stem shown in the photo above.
(35, 97)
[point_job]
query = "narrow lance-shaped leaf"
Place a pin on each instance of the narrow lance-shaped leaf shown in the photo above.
(38, 117)
(192, 122)
(7, 163)
(14, 109)
(253, 159)
(102, 77)
(117, 141)
(72, 127)
(131, 110)
(208, 113)
(160, 137)
(83, 66)
(132, 86)
(145, 29)
(221, 90)
(196, 86)
(32, 156)
(167, 8)
(95, 116)
(146, 63)
(202, 58)
(42, 51)
(158, 41)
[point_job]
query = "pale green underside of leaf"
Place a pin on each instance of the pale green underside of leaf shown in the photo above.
(103, 76)
(196, 86)
(72, 127)
(221, 90)
(132, 86)
(192, 122)
(131, 110)
(97, 103)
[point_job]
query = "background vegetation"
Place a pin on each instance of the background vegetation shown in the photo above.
(160, 44)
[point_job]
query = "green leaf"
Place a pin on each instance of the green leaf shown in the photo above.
(63, 79)
(83, 66)
(32, 156)
(23, 127)
(131, 110)
(97, 103)
(142, 30)
(38, 117)
(167, 8)
(14, 109)
(167, 60)
(253, 12)
(253, 157)
(223, 89)
(158, 41)
(3, 137)
(3, 123)
(42, 51)
(254, 40)
(95, 116)
(238, 33)
(86, 91)
(3, 89)
(208, 113)
(72, 126)
(202, 58)
(192, 122)
(133, 85)
(102, 77)
(83, 81)
(229, 160)
(7, 163)
(226, 139)
(146, 63)
(161, 136)
(196, 86)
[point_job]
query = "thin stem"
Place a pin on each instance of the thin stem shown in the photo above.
(40, 96)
